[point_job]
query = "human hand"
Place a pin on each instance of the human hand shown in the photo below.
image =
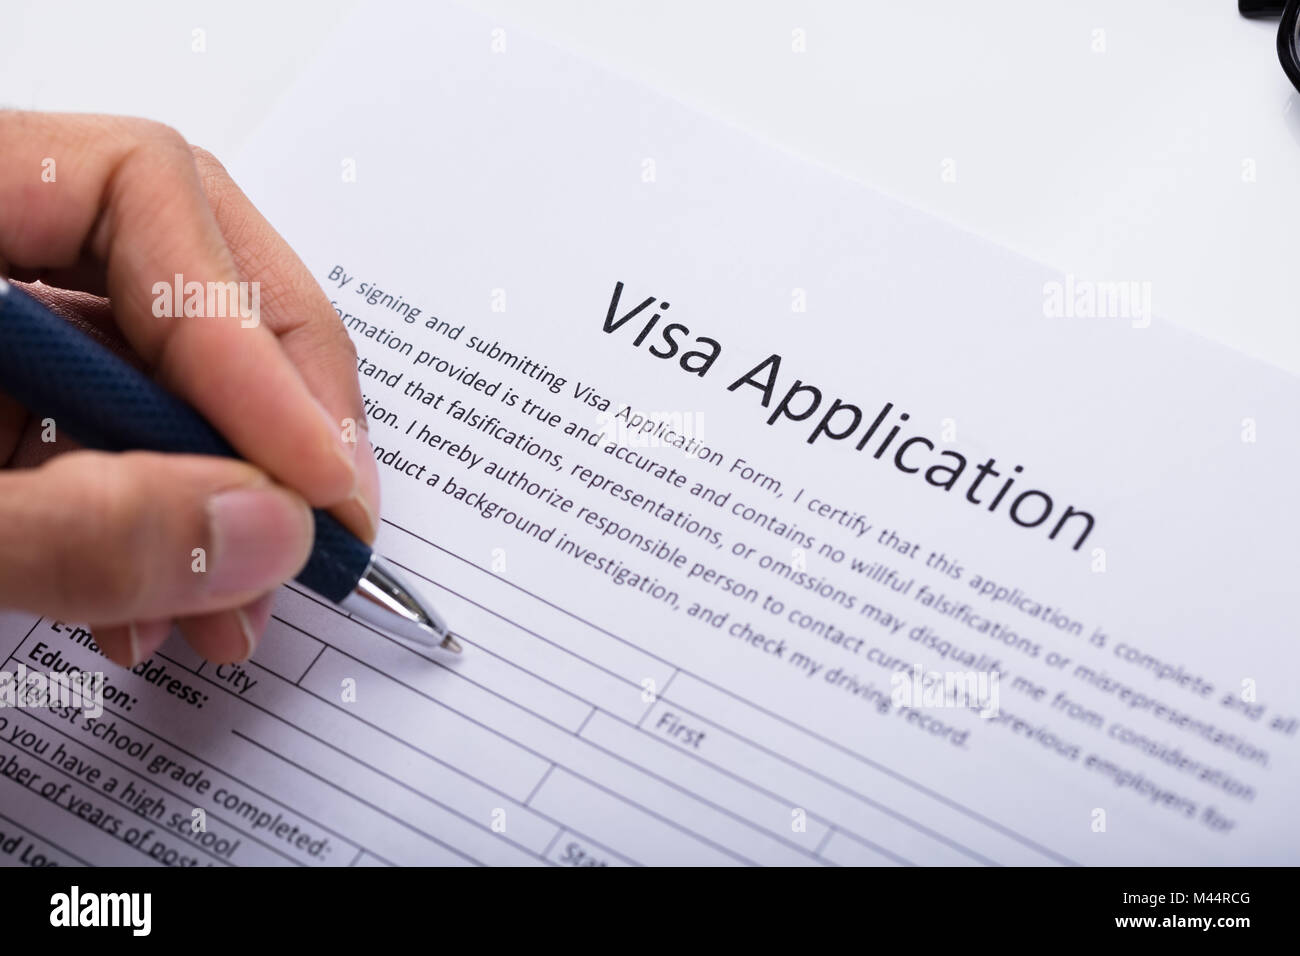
(109, 539)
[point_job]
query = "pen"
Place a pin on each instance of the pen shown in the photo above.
(104, 402)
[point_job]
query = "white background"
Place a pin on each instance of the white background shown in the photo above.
(1121, 164)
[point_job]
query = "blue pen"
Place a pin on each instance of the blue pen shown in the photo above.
(115, 407)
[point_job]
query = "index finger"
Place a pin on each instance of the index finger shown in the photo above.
(307, 326)
(127, 192)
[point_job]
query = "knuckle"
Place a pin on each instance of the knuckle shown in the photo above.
(343, 342)
(148, 150)
(160, 133)
(212, 173)
(210, 168)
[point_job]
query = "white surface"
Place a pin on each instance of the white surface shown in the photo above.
(1124, 164)
(540, 740)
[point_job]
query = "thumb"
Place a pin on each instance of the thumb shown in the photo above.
(111, 539)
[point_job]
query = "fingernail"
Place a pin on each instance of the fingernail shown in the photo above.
(367, 496)
(145, 637)
(250, 636)
(252, 620)
(260, 538)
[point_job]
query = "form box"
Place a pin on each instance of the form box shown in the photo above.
(678, 748)
(642, 837)
(426, 724)
(286, 650)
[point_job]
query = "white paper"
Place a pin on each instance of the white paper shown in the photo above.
(503, 188)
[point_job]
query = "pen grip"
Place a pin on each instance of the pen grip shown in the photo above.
(104, 402)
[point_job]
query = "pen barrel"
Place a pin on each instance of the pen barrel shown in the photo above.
(97, 397)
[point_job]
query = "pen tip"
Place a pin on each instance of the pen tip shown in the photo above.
(449, 643)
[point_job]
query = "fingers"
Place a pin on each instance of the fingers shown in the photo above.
(25, 440)
(228, 636)
(129, 644)
(91, 314)
(307, 326)
(127, 193)
(222, 637)
(121, 539)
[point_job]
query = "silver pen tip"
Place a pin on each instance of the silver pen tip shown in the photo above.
(384, 599)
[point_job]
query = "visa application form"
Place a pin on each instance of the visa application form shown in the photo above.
(783, 524)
